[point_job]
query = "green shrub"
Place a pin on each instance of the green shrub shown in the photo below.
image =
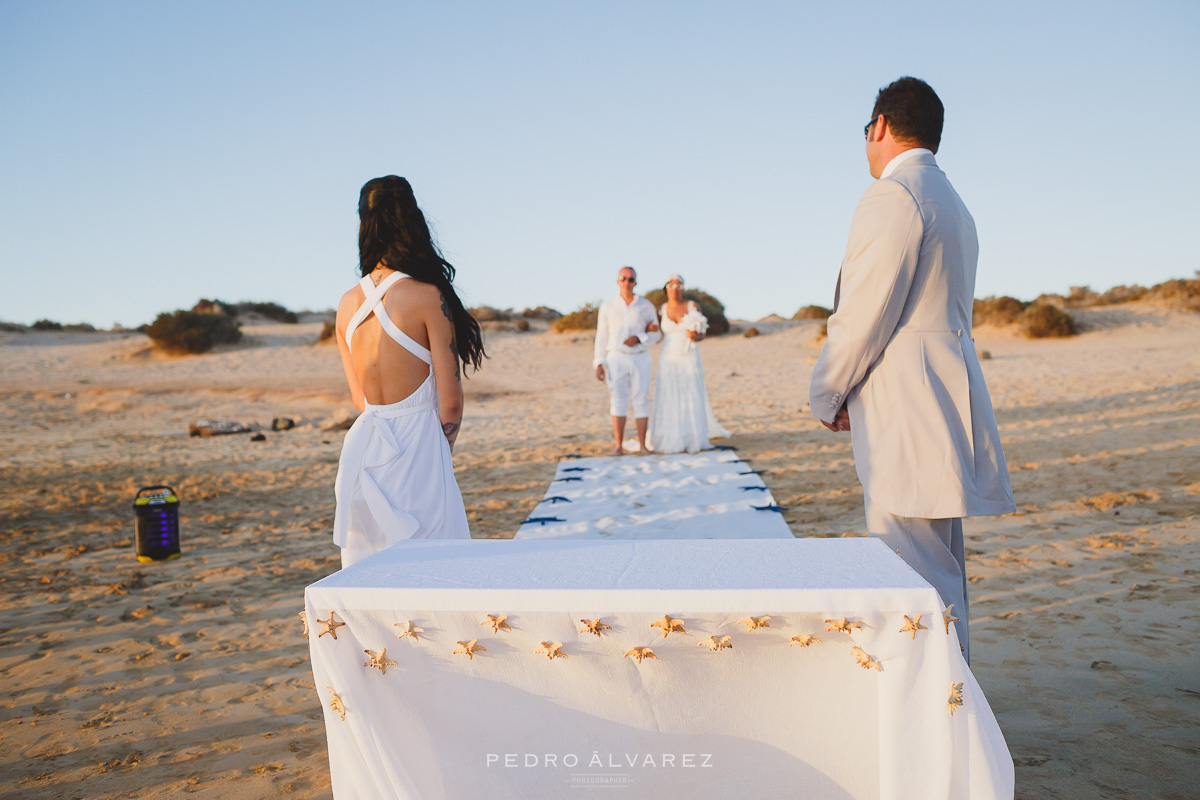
(1042, 320)
(47, 325)
(269, 310)
(813, 312)
(710, 307)
(583, 318)
(192, 332)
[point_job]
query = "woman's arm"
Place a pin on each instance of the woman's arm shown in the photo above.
(345, 311)
(447, 367)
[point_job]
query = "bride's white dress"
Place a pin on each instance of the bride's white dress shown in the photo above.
(682, 419)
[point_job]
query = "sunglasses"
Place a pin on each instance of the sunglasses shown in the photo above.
(624, 279)
(867, 127)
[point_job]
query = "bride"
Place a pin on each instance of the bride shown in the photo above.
(682, 419)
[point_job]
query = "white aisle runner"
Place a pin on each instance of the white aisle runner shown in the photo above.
(709, 495)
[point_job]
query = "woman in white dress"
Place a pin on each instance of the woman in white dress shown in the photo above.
(404, 336)
(682, 419)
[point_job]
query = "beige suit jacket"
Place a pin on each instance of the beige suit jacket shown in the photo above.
(900, 355)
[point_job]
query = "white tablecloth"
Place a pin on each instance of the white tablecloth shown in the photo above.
(709, 495)
(760, 719)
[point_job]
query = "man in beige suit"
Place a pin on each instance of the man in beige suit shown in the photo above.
(899, 369)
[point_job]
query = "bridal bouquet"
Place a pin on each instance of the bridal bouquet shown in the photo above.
(693, 320)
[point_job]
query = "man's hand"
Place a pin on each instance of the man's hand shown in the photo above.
(599, 372)
(841, 421)
(695, 336)
(651, 328)
(632, 341)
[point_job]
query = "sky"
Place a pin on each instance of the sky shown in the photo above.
(152, 153)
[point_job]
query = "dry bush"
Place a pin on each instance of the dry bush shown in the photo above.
(1042, 321)
(11, 327)
(327, 332)
(1181, 293)
(192, 332)
(583, 318)
(544, 313)
(489, 314)
(522, 324)
(710, 307)
(204, 306)
(997, 310)
(813, 312)
(80, 327)
(46, 325)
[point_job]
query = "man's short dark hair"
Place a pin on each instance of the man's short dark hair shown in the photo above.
(913, 111)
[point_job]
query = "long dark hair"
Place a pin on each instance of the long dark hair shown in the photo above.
(392, 231)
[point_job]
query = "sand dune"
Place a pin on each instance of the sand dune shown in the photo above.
(191, 676)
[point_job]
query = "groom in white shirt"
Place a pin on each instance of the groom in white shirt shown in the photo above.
(626, 327)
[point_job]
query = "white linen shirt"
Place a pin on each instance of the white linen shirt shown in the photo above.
(900, 158)
(617, 322)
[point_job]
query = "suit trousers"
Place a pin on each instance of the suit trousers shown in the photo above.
(934, 548)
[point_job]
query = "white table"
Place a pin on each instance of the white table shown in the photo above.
(761, 719)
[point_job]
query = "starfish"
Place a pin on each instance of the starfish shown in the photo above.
(408, 629)
(552, 650)
(844, 625)
(948, 617)
(804, 640)
(379, 660)
(497, 623)
(913, 625)
(668, 624)
(955, 700)
(329, 626)
(641, 652)
(595, 626)
(716, 643)
(469, 649)
(304, 617)
(864, 660)
(754, 623)
(335, 702)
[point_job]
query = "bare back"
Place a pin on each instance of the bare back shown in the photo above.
(379, 368)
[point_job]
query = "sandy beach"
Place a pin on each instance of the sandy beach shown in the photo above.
(192, 676)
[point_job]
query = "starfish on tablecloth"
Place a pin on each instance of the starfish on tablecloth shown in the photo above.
(335, 702)
(469, 649)
(913, 625)
(379, 660)
(594, 626)
(640, 652)
(496, 622)
(948, 617)
(804, 640)
(754, 623)
(668, 624)
(842, 624)
(552, 650)
(955, 700)
(715, 643)
(304, 617)
(329, 626)
(865, 661)
(408, 629)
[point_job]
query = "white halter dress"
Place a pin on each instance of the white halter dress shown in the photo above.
(395, 479)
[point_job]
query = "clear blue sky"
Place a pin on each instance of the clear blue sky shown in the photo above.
(154, 153)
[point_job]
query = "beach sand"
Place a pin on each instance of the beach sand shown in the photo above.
(192, 676)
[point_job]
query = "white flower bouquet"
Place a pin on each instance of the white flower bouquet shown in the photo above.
(693, 320)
